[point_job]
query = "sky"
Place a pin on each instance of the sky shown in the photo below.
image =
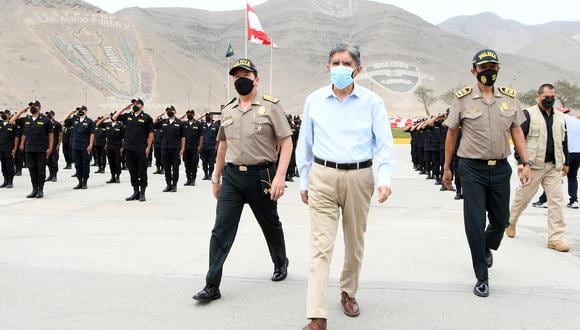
(524, 11)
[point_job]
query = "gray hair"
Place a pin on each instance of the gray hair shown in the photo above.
(352, 49)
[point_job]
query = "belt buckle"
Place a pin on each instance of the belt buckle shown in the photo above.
(243, 168)
(491, 162)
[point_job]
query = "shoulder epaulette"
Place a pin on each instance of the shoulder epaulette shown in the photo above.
(508, 91)
(463, 92)
(230, 102)
(270, 99)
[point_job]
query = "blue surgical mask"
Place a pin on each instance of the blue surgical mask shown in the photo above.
(341, 76)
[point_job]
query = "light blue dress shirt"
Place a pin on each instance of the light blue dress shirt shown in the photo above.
(351, 131)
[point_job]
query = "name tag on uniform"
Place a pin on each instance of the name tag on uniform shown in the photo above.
(164, 125)
(504, 106)
(195, 127)
(40, 123)
(471, 111)
(85, 124)
(141, 120)
(176, 125)
(130, 118)
(118, 130)
(10, 129)
(27, 123)
(227, 120)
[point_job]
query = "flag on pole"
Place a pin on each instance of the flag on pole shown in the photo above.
(230, 50)
(255, 31)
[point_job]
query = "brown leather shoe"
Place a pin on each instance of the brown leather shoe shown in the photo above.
(511, 231)
(558, 246)
(349, 305)
(316, 324)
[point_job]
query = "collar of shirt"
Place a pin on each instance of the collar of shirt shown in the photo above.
(255, 101)
(355, 92)
(171, 121)
(477, 94)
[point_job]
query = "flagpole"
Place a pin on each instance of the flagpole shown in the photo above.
(271, 63)
(246, 31)
(228, 71)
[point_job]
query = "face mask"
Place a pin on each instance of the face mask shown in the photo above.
(81, 113)
(548, 102)
(208, 119)
(190, 117)
(136, 108)
(33, 110)
(341, 76)
(170, 114)
(487, 77)
(244, 86)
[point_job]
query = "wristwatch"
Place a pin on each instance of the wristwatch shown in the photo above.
(214, 181)
(529, 163)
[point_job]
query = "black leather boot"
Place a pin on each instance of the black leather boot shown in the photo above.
(135, 195)
(142, 194)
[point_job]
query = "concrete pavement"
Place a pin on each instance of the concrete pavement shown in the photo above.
(90, 260)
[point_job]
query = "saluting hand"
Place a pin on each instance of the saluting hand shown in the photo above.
(384, 193)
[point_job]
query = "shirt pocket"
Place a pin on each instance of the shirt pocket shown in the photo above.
(507, 117)
(472, 115)
(262, 126)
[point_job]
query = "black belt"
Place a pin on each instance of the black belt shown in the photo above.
(246, 168)
(489, 162)
(344, 166)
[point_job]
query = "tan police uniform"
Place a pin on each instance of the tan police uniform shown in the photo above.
(252, 136)
(485, 172)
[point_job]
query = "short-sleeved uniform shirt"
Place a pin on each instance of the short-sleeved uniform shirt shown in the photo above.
(485, 127)
(114, 135)
(137, 129)
(101, 135)
(81, 130)
(37, 132)
(56, 130)
(193, 132)
(172, 133)
(210, 133)
(7, 134)
(252, 135)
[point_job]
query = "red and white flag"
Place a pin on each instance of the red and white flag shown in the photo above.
(256, 33)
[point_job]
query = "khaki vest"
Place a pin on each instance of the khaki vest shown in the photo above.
(538, 138)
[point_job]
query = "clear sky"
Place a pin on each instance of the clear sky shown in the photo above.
(524, 11)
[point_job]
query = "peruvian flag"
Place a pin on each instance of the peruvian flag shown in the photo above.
(256, 33)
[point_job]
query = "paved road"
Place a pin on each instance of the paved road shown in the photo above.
(90, 260)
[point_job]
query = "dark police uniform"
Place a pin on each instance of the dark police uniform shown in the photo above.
(157, 138)
(53, 160)
(193, 131)
(173, 132)
(252, 138)
(36, 134)
(483, 166)
(19, 158)
(137, 129)
(208, 150)
(99, 149)
(81, 131)
(8, 134)
(114, 142)
(66, 146)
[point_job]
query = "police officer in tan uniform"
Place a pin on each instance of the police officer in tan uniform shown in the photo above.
(488, 116)
(252, 127)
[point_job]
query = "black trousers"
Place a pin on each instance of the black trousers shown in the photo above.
(137, 165)
(82, 161)
(158, 156)
(441, 160)
(36, 163)
(191, 161)
(573, 176)
(237, 189)
(100, 157)
(208, 160)
(67, 153)
(7, 162)
(485, 189)
(171, 164)
(421, 158)
(456, 173)
(428, 157)
(19, 160)
(53, 162)
(114, 156)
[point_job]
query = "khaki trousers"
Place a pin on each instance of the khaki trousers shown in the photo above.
(329, 192)
(551, 180)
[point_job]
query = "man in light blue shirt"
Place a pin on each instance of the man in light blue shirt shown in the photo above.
(345, 127)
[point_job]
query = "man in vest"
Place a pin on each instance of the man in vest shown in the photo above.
(545, 131)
